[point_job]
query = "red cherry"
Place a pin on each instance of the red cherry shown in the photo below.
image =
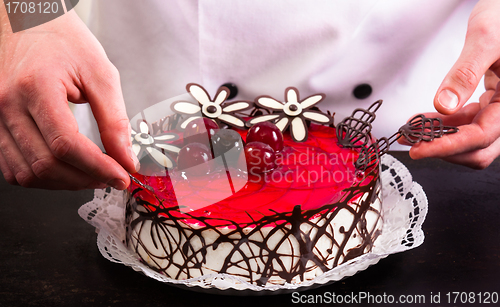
(267, 133)
(260, 157)
(227, 142)
(200, 130)
(195, 154)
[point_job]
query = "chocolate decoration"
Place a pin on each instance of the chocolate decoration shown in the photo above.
(161, 147)
(419, 128)
(217, 109)
(354, 131)
(233, 90)
(211, 109)
(303, 227)
(293, 113)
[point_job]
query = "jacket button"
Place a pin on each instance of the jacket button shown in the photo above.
(233, 90)
(362, 91)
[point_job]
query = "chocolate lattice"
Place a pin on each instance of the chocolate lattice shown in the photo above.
(275, 249)
(419, 128)
(354, 131)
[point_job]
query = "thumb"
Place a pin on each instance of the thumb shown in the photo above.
(480, 52)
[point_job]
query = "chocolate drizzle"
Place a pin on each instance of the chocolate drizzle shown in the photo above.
(283, 247)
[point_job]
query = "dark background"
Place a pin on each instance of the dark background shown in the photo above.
(49, 255)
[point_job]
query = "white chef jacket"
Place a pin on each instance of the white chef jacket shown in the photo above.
(400, 50)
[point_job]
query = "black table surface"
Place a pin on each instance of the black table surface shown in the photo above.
(49, 255)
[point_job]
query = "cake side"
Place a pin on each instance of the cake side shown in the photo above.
(288, 247)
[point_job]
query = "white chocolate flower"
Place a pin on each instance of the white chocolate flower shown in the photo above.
(292, 112)
(215, 109)
(157, 146)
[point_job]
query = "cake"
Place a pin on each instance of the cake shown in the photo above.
(271, 192)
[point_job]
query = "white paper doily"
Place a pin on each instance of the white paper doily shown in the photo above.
(404, 211)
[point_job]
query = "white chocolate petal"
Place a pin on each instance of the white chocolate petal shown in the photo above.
(292, 95)
(282, 123)
(236, 106)
(299, 131)
(143, 127)
(136, 148)
(160, 157)
(199, 93)
(263, 118)
(310, 101)
(165, 137)
(317, 117)
(233, 120)
(271, 103)
(169, 147)
(186, 107)
(187, 121)
(221, 97)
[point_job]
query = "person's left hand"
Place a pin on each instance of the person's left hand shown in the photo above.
(477, 143)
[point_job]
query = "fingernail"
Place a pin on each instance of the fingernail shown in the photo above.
(134, 159)
(448, 99)
(117, 184)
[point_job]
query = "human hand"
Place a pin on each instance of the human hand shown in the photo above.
(478, 142)
(40, 146)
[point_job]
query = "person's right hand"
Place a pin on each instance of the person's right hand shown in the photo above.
(477, 144)
(40, 146)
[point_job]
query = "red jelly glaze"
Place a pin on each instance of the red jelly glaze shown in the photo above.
(311, 174)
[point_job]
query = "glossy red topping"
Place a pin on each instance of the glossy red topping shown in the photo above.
(311, 174)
